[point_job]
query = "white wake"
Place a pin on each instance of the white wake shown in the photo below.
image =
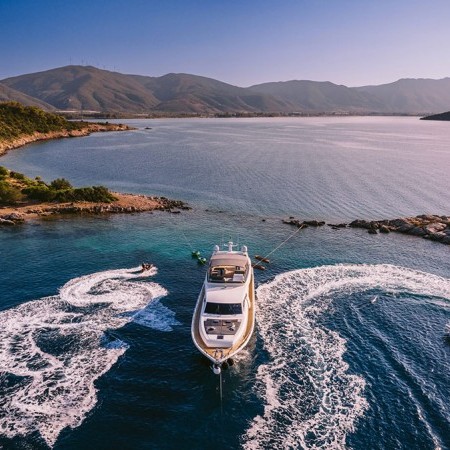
(53, 349)
(311, 401)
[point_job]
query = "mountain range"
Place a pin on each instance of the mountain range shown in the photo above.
(75, 88)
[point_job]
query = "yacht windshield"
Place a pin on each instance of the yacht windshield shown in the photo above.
(223, 308)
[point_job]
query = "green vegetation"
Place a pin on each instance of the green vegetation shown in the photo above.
(60, 184)
(9, 195)
(16, 187)
(17, 120)
(45, 193)
(17, 175)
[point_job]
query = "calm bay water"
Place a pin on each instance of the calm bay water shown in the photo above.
(351, 348)
(334, 168)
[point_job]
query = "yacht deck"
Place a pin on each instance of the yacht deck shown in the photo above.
(221, 354)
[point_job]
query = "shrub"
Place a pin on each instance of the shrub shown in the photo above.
(60, 184)
(41, 193)
(100, 194)
(17, 175)
(96, 194)
(9, 195)
(65, 195)
(3, 172)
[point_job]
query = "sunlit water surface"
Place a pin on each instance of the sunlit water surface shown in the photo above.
(351, 349)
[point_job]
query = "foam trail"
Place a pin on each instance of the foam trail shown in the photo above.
(311, 401)
(53, 349)
(156, 316)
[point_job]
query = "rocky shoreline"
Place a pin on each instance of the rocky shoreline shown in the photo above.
(36, 136)
(126, 204)
(433, 227)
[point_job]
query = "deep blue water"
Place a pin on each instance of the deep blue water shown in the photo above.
(351, 348)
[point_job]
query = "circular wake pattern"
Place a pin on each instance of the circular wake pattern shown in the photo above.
(53, 349)
(311, 400)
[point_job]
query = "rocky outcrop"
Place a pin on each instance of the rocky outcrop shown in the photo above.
(335, 226)
(304, 223)
(433, 227)
(169, 205)
(436, 228)
(6, 221)
(11, 219)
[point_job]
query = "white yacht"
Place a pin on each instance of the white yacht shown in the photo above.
(224, 317)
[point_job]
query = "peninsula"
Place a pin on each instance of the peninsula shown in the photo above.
(441, 116)
(20, 125)
(23, 198)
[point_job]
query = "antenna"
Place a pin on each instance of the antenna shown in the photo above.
(230, 245)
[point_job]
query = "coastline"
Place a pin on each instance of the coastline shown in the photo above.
(15, 214)
(125, 204)
(433, 227)
(5, 146)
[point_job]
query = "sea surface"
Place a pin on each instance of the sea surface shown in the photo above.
(352, 345)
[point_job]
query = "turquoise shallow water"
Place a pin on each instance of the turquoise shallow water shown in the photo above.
(351, 348)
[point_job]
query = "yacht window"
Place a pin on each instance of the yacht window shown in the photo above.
(223, 308)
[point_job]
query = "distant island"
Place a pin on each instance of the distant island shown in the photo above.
(441, 116)
(20, 125)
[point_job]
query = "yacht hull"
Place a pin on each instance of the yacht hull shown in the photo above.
(219, 355)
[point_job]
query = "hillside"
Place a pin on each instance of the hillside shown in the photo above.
(17, 120)
(89, 88)
(76, 88)
(412, 95)
(192, 93)
(314, 96)
(20, 125)
(8, 94)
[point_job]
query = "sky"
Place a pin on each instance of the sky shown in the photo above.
(350, 42)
